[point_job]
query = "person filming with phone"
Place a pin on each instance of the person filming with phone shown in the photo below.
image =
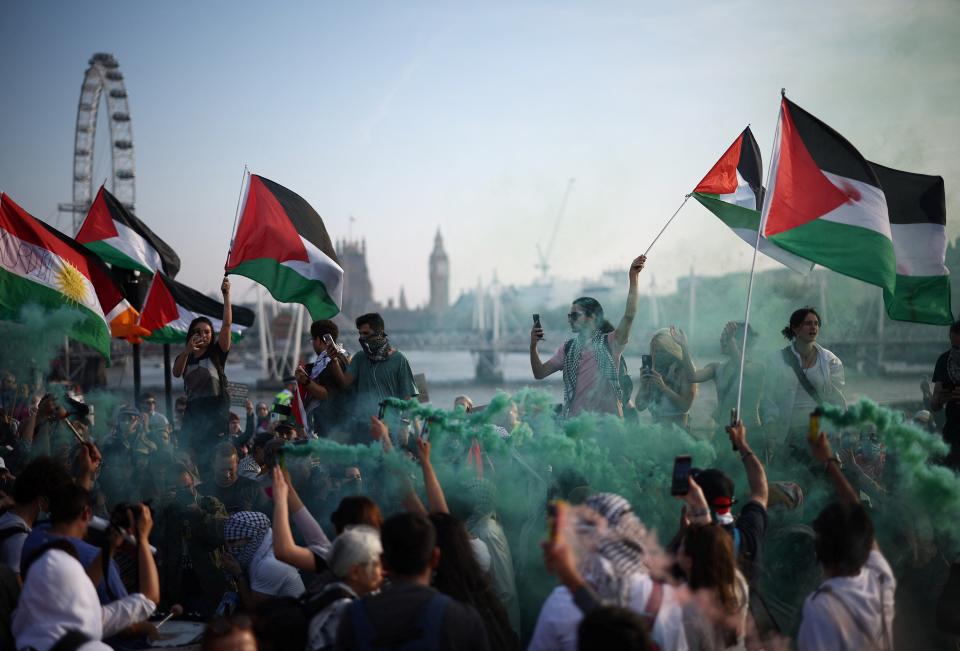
(325, 399)
(666, 386)
(591, 359)
(201, 365)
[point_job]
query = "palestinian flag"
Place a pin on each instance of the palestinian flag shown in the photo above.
(42, 266)
(918, 217)
(282, 244)
(118, 237)
(828, 204)
(171, 306)
(732, 191)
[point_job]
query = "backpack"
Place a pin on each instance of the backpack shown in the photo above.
(431, 618)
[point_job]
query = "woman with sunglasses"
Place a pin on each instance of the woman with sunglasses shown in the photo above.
(591, 359)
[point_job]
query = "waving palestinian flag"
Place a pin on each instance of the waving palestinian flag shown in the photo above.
(40, 265)
(118, 237)
(171, 306)
(828, 204)
(732, 191)
(282, 244)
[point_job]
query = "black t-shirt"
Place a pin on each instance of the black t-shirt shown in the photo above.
(242, 495)
(395, 614)
(202, 376)
(951, 429)
(752, 524)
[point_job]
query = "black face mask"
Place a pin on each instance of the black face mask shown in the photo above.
(352, 487)
(185, 496)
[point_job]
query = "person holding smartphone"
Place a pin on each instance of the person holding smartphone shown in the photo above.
(591, 359)
(946, 394)
(324, 399)
(666, 388)
(201, 365)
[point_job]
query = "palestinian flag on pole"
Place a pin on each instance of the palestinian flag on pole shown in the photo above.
(118, 237)
(171, 306)
(42, 266)
(732, 191)
(282, 244)
(828, 204)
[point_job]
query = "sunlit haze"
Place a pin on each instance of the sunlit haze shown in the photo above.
(471, 118)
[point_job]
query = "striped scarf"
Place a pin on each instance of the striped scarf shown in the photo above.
(252, 525)
(573, 350)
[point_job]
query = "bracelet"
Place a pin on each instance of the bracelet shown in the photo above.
(744, 457)
(699, 513)
(826, 464)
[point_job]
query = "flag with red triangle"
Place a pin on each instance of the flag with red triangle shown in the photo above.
(828, 204)
(42, 266)
(118, 237)
(732, 190)
(170, 307)
(282, 244)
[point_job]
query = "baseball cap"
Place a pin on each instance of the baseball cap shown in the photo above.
(717, 488)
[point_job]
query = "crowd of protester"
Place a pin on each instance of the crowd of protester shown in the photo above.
(220, 518)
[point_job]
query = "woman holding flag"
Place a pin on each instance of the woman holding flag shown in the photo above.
(201, 364)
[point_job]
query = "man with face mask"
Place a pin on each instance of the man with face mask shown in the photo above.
(377, 373)
(188, 532)
(946, 394)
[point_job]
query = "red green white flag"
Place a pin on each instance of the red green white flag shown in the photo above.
(732, 190)
(828, 204)
(41, 266)
(282, 243)
(170, 306)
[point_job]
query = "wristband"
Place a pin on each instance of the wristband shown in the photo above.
(744, 457)
(826, 464)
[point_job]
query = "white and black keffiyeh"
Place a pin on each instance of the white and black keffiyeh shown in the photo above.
(252, 525)
(953, 365)
(608, 368)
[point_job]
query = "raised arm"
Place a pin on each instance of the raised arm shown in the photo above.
(622, 333)
(820, 448)
(756, 476)
(539, 368)
(224, 338)
(149, 578)
(435, 497)
(284, 547)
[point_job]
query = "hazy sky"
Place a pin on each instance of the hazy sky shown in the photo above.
(471, 117)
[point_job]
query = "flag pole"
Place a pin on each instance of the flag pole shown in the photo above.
(753, 270)
(236, 217)
(676, 212)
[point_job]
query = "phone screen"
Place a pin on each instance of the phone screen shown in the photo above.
(680, 483)
(646, 362)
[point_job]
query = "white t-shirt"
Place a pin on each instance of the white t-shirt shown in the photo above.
(849, 613)
(11, 547)
(272, 577)
(560, 617)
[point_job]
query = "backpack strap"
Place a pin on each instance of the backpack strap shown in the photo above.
(871, 637)
(59, 543)
(431, 620)
(8, 532)
(314, 604)
(794, 365)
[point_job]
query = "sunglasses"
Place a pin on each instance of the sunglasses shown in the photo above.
(573, 316)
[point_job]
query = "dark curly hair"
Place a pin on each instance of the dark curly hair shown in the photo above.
(796, 320)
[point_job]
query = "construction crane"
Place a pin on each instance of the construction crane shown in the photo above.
(544, 256)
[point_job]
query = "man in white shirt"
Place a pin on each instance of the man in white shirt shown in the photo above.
(854, 607)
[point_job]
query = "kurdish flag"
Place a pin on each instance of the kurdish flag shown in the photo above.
(171, 306)
(40, 265)
(732, 191)
(282, 244)
(828, 204)
(118, 237)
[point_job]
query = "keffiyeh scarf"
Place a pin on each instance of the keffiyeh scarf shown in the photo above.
(614, 538)
(254, 526)
(953, 365)
(609, 370)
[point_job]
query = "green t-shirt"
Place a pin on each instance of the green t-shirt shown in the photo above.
(375, 381)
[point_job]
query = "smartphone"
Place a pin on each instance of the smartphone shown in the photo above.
(734, 418)
(536, 322)
(646, 362)
(383, 410)
(327, 339)
(813, 433)
(680, 483)
(425, 431)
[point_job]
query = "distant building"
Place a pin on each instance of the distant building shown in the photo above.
(439, 276)
(357, 290)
